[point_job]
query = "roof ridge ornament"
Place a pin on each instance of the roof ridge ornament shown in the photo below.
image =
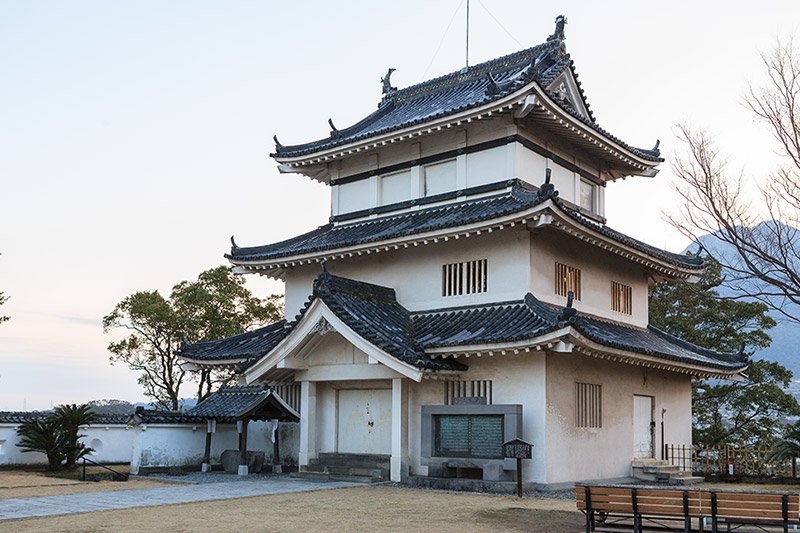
(558, 37)
(278, 144)
(568, 314)
(234, 246)
(547, 190)
(335, 133)
(387, 83)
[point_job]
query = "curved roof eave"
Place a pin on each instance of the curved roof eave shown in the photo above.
(616, 147)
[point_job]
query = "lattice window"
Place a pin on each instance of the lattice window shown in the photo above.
(290, 392)
(568, 279)
(468, 436)
(621, 298)
(469, 277)
(588, 405)
(468, 389)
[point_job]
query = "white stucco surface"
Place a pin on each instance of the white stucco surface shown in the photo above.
(113, 444)
(168, 445)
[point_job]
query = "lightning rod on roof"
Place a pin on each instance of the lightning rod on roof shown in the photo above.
(467, 51)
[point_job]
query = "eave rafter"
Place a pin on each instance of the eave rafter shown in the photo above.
(569, 340)
(542, 215)
(527, 101)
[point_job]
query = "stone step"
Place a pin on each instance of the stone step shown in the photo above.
(661, 469)
(352, 471)
(648, 462)
(688, 480)
(325, 476)
(357, 462)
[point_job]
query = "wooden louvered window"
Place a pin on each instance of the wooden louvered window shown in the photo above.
(479, 389)
(588, 405)
(468, 277)
(290, 393)
(568, 279)
(621, 298)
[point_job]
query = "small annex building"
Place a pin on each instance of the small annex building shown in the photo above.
(467, 291)
(242, 422)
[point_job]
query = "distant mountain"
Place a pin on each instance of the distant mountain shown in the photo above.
(785, 348)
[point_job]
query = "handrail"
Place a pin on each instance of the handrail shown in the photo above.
(122, 476)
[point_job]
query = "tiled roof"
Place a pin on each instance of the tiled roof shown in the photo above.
(18, 417)
(226, 405)
(230, 403)
(373, 313)
(158, 416)
(520, 197)
(244, 345)
(459, 91)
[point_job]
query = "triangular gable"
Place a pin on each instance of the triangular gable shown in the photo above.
(307, 328)
(566, 90)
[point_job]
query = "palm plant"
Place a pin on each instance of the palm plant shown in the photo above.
(56, 435)
(788, 447)
(44, 436)
(69, 418)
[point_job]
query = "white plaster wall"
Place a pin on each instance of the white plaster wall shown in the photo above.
(488, 166)
(416, 273)
(166, 445)
(116, 439)
(576, 454)
(516, 379)
(598, 269)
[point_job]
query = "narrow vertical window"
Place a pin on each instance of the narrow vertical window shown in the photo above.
(568, 279)
(621, 298)
(587, 195)
(588, 405)
(468, 277)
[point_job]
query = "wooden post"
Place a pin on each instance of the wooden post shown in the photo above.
(794, 466)
(211, 426)
(276, 451)
(242, 426)
(589, 514)
(519, 477)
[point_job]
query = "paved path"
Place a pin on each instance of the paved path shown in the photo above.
(125, 499)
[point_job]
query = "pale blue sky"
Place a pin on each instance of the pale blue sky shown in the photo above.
(134, 134)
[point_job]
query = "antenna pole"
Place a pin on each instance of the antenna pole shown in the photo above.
(467, 54)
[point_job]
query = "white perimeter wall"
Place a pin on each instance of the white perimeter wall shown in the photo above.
(113, 444)
(168, 445)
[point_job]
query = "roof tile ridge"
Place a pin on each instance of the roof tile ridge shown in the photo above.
(471, 73)
(466, 307)
(733, 357)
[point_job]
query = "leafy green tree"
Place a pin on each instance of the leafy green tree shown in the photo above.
(749, 411)
(215, 305)
(788, 447)
(56, 435)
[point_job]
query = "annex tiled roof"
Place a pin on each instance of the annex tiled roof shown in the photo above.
(373, 312)
(460, 91)
(520, 197)
(230, 403)
(226, 405)
(240, 346)
(18, 417)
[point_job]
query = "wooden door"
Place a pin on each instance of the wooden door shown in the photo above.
(364, 422)
(643, 426)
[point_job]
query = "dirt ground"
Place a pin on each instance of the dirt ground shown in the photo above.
(20, 484)
(351, 509)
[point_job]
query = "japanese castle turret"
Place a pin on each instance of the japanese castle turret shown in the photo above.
(467, 291)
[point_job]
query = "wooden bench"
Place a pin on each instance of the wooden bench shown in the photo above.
(614, 506)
